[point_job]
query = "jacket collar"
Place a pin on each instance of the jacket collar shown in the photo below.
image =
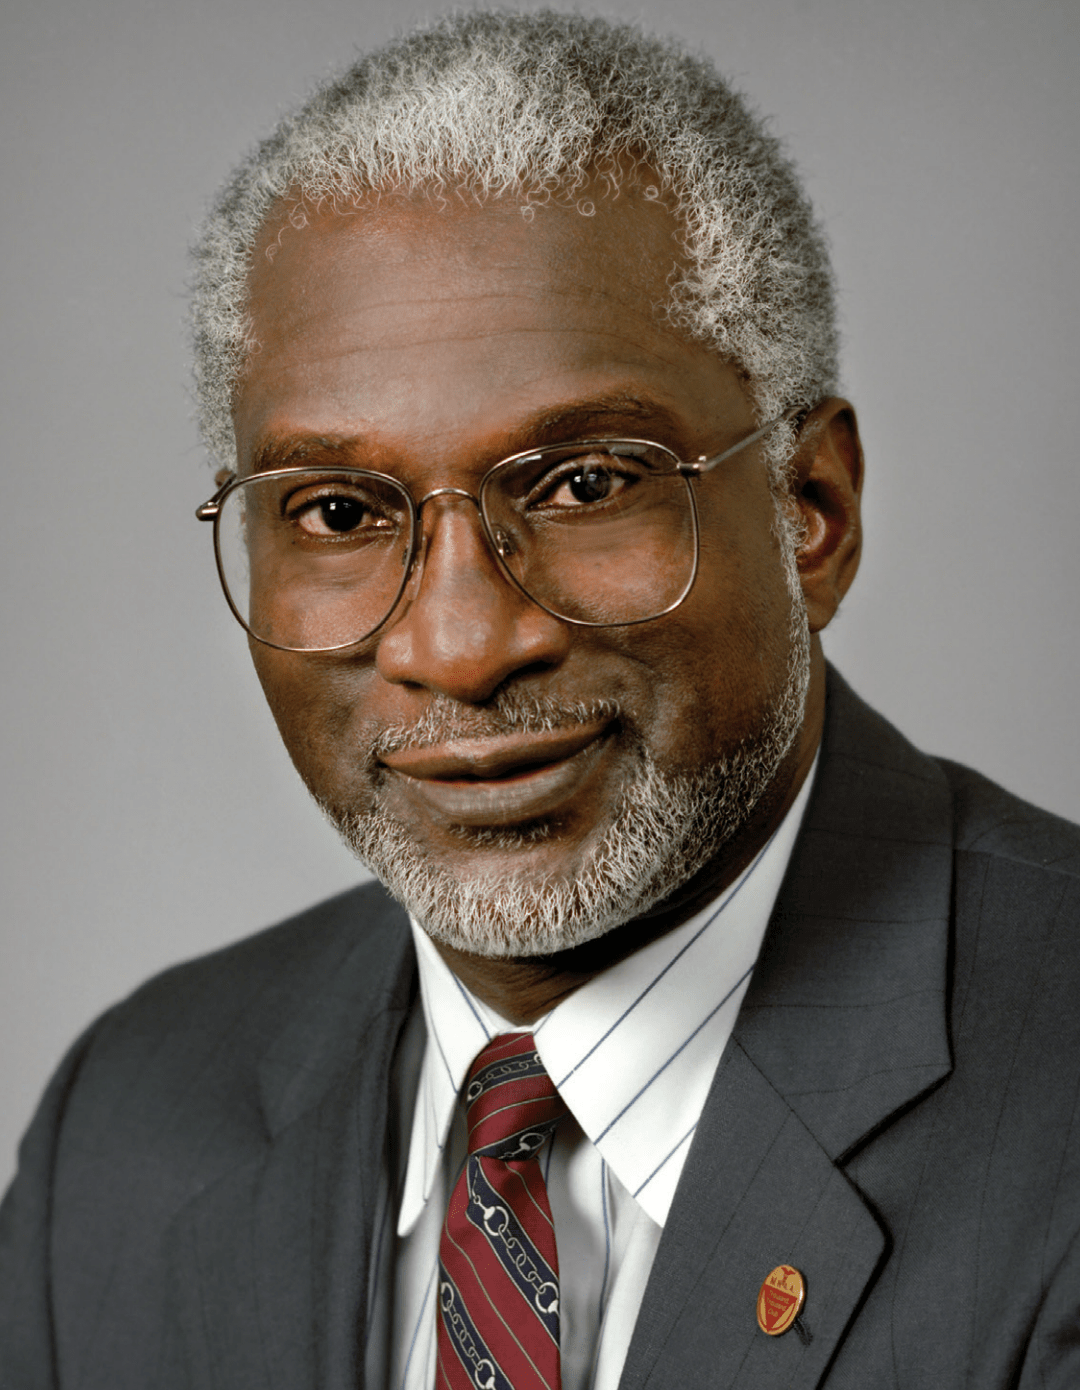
(846, 1015)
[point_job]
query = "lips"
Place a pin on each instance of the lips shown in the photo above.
(501, 780)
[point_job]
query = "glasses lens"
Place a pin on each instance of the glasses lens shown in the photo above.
(314, 559)
(598, 533)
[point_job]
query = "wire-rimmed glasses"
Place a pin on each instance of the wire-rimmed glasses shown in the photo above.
(597, 532)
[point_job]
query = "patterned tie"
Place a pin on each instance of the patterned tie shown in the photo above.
(498, 1270)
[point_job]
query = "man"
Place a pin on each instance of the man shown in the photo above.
(517, 347)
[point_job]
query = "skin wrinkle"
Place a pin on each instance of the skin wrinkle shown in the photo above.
(485, 334)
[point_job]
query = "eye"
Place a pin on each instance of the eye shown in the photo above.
(588, 481)
(331, 516)
(595, 482)
(331, 509)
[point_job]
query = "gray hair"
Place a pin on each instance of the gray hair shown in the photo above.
(534, 106)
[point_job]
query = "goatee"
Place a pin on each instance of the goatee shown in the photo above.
(664, 829)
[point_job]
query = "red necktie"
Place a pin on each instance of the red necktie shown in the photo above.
(498, 1270)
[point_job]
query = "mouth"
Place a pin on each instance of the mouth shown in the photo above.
(502, 780)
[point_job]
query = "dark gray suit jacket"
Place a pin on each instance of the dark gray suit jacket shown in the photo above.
(896, 1115)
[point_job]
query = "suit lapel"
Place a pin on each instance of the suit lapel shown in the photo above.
(757, 1191)
(271, 1262)
(843, 1027)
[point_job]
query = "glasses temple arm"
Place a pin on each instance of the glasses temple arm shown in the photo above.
(209, 509)
(706, 465)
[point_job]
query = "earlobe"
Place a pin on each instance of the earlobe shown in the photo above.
(827, 489)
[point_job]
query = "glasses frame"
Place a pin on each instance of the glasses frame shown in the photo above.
(688, 470)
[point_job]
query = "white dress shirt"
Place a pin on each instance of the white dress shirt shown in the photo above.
(633, 1053)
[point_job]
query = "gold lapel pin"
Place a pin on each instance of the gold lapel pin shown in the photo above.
(780, 1299)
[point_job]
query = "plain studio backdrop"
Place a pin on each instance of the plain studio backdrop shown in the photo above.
(149, 811)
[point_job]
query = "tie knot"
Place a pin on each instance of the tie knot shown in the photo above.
(511, 1102)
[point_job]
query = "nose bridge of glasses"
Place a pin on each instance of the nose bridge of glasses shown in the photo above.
(423, 535)
(446, 492)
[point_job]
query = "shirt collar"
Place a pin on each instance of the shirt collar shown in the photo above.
(633, 1051)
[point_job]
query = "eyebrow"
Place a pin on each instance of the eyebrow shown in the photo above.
(611, 413)
(294, 450)
(580, 418)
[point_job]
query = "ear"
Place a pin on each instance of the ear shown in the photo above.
(828, 468)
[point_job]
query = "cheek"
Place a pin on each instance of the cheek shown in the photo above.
(741, 581)
(742, 602)
(722, 659)
(315, 704)
(696, 685)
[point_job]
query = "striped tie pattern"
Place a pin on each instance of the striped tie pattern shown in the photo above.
(498, 1269)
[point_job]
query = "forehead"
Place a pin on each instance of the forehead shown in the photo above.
(410, 320)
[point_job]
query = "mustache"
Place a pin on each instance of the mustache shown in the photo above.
(446, 721)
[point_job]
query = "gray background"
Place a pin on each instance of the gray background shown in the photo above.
(149, 812)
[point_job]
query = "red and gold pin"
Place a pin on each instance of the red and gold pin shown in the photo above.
(780, 1299)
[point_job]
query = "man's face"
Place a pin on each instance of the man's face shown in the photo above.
(522, 784)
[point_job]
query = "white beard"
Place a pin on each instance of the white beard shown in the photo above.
(665, 828)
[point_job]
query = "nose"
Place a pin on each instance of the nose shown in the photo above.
(462, 628)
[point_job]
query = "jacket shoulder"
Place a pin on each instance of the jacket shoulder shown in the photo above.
(177, 1086)
(203, 1027)
(361, 928)
(992, 821)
